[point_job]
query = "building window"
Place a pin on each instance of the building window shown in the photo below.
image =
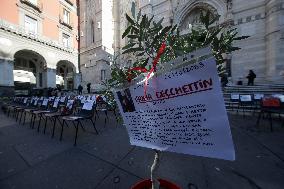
(66, 16)
(103, 75)
(30, 25)
(93, 31)
(66, 40)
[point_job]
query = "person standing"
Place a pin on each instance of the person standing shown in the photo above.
(251, 76)
(80, 89)
(89, 88)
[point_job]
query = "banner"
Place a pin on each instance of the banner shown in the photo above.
(183, 111)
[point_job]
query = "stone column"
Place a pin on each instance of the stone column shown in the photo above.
(6, 77)
(274, 41)
(77, 80)
(49, 78)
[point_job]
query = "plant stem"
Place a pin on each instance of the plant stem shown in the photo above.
(154, 168)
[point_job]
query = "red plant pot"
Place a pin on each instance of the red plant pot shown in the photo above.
(147, 184)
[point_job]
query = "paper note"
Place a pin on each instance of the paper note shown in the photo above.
(88, 105)
(183, 111)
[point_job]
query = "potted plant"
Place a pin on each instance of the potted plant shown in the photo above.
(150, 41)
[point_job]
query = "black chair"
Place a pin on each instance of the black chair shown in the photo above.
(234, 100)
(270, 105)
(86, 113)
(65, 110)
(32, 107)
(257, 100)
(102, 106)
(20, 109)
(52, 107)
(246, 102)
(43, 107)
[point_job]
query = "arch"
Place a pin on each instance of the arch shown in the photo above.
(217, 6)
(65, 74)
(29, 66)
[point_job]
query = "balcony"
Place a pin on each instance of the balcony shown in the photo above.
(64, 23)
(37, 7)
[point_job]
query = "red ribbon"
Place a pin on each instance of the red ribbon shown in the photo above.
(153, 69)
(155, 62)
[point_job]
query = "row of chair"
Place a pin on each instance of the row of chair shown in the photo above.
(264, 104)
(60, 110)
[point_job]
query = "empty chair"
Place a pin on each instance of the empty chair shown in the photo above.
(270, 105)
(52, 106)
(28, 110)
(86, 113)
(246, 102)
(38, 112)
(63, 111)
(234, 100)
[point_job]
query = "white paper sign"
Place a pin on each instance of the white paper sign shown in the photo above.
(45, 101)
(55, 104)
(245, 98)
(258, 96)
(62, 99)
(183, 112)
(88, 105)
(70, 104)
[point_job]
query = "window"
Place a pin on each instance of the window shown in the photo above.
(66, 16)
(66, 40)
(93, 31)
(103, 75)
(30, 25)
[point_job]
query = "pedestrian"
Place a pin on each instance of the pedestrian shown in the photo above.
(89, 88)
(224, 80)
(80, 89)
(251, 76)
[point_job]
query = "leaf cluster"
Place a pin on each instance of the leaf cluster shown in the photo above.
(145, 36)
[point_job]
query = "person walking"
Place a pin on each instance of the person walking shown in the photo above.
(89, 88)
(80, 89)
(251, 76)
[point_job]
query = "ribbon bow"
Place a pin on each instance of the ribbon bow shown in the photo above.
(144, 70)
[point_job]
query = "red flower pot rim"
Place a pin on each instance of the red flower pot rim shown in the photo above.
(147, 184)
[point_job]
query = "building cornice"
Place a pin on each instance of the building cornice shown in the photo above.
(20, 32)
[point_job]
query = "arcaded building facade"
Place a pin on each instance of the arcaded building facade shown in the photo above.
(39, 44)
(263, 20)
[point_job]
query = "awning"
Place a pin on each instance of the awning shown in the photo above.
(24, 76)
(59, 80)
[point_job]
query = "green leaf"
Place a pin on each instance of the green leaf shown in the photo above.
(126, 31)
(132, 36)
(128, 46)
(129, 19)
(241, 38)
(132, 50)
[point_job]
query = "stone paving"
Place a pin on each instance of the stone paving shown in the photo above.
(32, 160)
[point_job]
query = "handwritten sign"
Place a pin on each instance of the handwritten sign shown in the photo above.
(183, 111)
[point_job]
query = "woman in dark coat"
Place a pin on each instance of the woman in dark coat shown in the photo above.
(251, 76)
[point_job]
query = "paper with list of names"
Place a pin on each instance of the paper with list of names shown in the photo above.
(183, 111)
